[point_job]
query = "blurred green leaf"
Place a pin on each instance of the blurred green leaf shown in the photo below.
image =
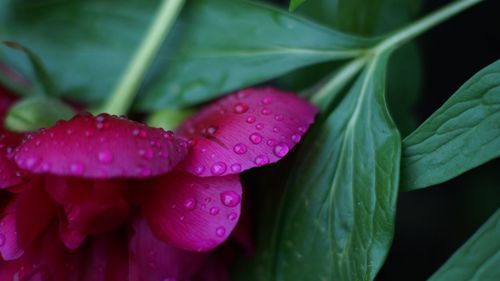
(85, 45)
(478, 259)
(338, 215)
(43, 78)
(462, 134)
(223, 45)
(33, 113)
(294, 4)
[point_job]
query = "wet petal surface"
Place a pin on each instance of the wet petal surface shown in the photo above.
(249, 128)
(101, 147)
(10, 174)
(193, 213)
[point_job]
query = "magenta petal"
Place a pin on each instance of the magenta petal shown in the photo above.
(193, 213)
(250, 128)
(9, 246)
(152, 259)
(10, 174)
(90, 206)
(101, 147)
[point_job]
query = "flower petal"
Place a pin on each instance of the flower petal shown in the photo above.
(10, 174)
(90, 206)
(193, 213)
(101, 147)
(250, 128)
(152, 259)
(26, 216)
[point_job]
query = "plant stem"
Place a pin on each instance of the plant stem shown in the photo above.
(340, 78)
(124, 93)
(411, 31)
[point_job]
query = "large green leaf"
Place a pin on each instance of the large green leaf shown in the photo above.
(85, 45)
(338, 215)
(478, 259)
(462, 134)
(222, 45)
(294, 4)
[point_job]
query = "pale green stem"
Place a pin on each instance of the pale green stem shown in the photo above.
(323, 97)
(413, 30)
(128, 85)
(329, 91)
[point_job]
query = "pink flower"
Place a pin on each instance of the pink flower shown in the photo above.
(84, 180)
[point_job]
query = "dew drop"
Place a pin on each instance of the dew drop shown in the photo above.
(240, 148)
(301, 129)
(236, 168)
(278, 117)
(259, 126)
(266, 111)
(146, 153)
(232, 216)
(76, 169)
(267, 100)
(211, 130)
(295, 138)
(218, 168)
(220, 231)
(271, 142)
(281, 149)
(214, 211)
(189, 204)
(105, 157)
(199, 170)
(251, 119)
(255, 138)
(230, 198)
(261, 160)
(240, 108)
(31, 162)
(276, 129)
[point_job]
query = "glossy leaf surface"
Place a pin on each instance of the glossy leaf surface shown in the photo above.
(337, 220)
(462, 134)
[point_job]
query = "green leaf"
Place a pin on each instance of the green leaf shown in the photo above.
(294, 4)
(338, 215)
(464, 133)
(43, 78)
(223, 45)
(478, 258)
(85, 45)
(33, 113)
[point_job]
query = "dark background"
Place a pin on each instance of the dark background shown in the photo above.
(433, 223)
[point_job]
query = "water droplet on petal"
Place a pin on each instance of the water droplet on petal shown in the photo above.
(278, 117)
(295, 138)
(281, 149)
(232, 216)
(259, 126)
(76, 169)
(276, 129)
(214, 211)
(218, 168)
(255, 138)
(230, 198)
(220, 231)
(266, 111)
(190, 204)
(211, 130)
(251, 119)
(31, 162)
(236, 168)
(240, 148)
(271, 142)
(240, 108)
(199, 170)
(105, 157)
(301, 129)
(261, 160)
(146, 153)
(267, 100)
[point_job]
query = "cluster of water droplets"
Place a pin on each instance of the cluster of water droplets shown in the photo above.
(271, 133)
(228, 199)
